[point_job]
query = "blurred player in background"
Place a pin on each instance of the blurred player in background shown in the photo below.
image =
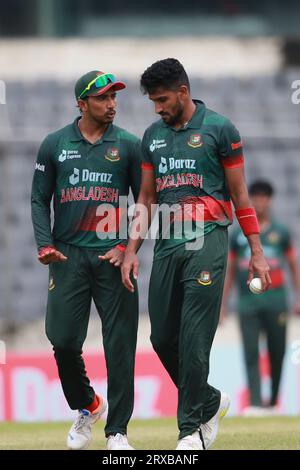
(192, 157)
(87, 164)
(268, 312)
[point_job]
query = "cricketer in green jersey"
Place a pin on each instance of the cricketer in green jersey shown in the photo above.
(86, 168)
(265, 313)
(193, 157)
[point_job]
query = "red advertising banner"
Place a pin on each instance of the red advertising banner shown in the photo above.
(30, 389)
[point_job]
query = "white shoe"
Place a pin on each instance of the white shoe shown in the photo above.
(210, 429)
(80, 434)
(255, 412)
(273, 411)
(118, 442)
(192, 442)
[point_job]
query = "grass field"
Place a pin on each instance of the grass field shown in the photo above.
(281, 433)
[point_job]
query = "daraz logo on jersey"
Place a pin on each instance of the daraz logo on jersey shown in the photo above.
(157, 144)
(68, 155)
(176, 163)
(40, 167)
(87, 175)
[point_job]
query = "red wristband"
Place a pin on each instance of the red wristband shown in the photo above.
(121, 247)
(45, 250)
(248, 220)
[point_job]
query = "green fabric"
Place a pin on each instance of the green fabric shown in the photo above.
(273, 323)
(83, 82)
(87, 85)
(189, 169)
(184, 320)
(72, 286)
(81, 176)
(276, 241)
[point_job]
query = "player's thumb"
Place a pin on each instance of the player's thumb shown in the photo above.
(104, 257)
(61, 256)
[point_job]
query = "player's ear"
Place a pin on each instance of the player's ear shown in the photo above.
(82, 105)
(183, 90)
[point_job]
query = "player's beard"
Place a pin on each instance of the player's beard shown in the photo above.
(175, 117)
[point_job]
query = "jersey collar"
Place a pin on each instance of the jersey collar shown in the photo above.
(110, 134)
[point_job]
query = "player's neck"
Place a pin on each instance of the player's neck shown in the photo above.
(187, 114)
(91, 130)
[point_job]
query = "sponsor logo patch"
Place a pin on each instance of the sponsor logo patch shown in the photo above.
(68, 155)
(51, 283)
(195, 140)
(204, 279)
(176, 164)
(157, 144)
(40, 167)
(87, 175)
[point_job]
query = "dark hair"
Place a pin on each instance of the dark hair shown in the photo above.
(261, 188)
(166, 73)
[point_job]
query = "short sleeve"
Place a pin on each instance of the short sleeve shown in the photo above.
(231, 148)
(147, 162)
(135, 169)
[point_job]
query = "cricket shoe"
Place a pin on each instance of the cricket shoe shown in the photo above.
(80, 434)
(256, 412)
(192, 442)
(118, 442)
(210, 429)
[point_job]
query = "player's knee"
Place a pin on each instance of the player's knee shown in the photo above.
(62, 340)
(66, 356)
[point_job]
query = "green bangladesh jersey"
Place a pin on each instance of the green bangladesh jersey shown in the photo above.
(84, 179)
(276, 242)
(189, 171)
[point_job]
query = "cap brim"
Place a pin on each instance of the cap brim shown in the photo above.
(117, 86)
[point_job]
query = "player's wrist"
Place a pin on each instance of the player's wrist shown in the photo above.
(248, 221)
(45, 248)
(255, 244)
(121, 247)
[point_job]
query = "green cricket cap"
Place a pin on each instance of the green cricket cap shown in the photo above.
(95, 83)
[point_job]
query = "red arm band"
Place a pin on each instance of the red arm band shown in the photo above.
(121, 247)
(147, 166)
(247, 220)
(46, 250)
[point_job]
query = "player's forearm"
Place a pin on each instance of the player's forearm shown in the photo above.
(255, 243)
(144, 212)
(40, 214)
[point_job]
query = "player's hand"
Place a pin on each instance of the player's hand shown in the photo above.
(130, 263)
(259, 265)
(48, 254)
(114, 256)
